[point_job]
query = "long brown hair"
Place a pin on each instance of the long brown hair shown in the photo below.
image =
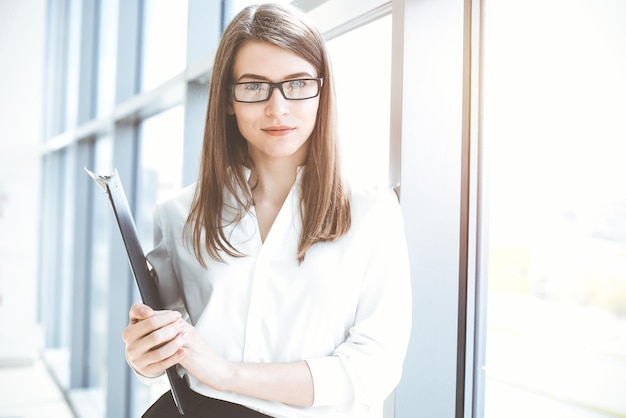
(325, 207)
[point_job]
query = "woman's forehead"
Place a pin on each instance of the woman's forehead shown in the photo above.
(263, 60)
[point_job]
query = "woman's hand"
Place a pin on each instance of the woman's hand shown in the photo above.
(157, 340)
(289, 383)
(203, 362)
(153, 340)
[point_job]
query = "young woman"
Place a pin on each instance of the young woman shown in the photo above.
(287, 293)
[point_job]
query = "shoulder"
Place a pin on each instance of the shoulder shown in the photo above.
(177, 205)
(373, 201)
(377, 220)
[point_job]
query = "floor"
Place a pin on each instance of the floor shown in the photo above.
(29, 391)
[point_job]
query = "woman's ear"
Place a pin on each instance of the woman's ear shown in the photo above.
(229, 108)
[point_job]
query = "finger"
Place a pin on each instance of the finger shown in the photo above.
(166, 350)
(158, 368)
(139, 311)
(163, 335)
(159, 320)
(137, 330)
(154, 362)
(143, 338)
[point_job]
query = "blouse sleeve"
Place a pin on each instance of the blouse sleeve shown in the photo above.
(367, 366)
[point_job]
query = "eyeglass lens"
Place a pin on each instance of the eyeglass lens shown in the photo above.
(292, 90)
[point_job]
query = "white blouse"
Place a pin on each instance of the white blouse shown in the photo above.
(346, 309)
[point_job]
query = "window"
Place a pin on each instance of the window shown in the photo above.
(363, 100)
(164, 41)
(107, 39)
(159, 175)
(73, 64)
(554, 141)
(160, 166)
(102, 225)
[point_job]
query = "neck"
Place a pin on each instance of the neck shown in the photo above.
(272, 182)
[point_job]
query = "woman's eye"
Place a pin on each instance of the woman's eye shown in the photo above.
(297, 84)
(253, 86)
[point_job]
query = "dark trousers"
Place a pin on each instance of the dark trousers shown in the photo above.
(199, 406)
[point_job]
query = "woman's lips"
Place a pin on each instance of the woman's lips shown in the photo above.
(278, 130)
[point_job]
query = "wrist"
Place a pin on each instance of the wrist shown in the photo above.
(226, 376)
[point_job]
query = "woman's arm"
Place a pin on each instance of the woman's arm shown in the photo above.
(289, 383)
(157, 340)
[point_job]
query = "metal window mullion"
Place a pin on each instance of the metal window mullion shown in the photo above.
(477, 291)
(336, 17)
(204, 28)
(119, 390)
(56, 68)
(81, 312)
(119, 394)
(466, 370)
(87, 61)
(429, 48)
(397, 74)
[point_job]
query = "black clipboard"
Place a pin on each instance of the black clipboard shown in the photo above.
(144, 275)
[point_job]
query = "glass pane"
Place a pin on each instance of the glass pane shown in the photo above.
(554, 88)
(364, 100)
(164, 41)
(107, 14)
(99, 270)
(59, 296)
(160, 175)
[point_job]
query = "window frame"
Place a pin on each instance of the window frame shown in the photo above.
(438, 197)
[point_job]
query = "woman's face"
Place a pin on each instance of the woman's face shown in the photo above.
(276, 129)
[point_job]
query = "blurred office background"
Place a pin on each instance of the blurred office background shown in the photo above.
(503, 121)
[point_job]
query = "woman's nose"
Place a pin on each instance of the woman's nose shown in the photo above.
(277, 105)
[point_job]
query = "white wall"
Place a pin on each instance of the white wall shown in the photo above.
(22, 31)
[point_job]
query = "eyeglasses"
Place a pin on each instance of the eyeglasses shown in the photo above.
(260, 91)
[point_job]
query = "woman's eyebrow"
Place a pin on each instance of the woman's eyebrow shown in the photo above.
(250, 76)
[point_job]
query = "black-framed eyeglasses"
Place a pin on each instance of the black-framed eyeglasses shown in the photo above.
(260, 91)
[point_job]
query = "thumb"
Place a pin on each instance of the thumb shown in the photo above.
(140, 312)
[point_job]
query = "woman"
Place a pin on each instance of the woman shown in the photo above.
(287, 293)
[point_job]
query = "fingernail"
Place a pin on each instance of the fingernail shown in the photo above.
(144, 311)
(183, 336)
(181, 323)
